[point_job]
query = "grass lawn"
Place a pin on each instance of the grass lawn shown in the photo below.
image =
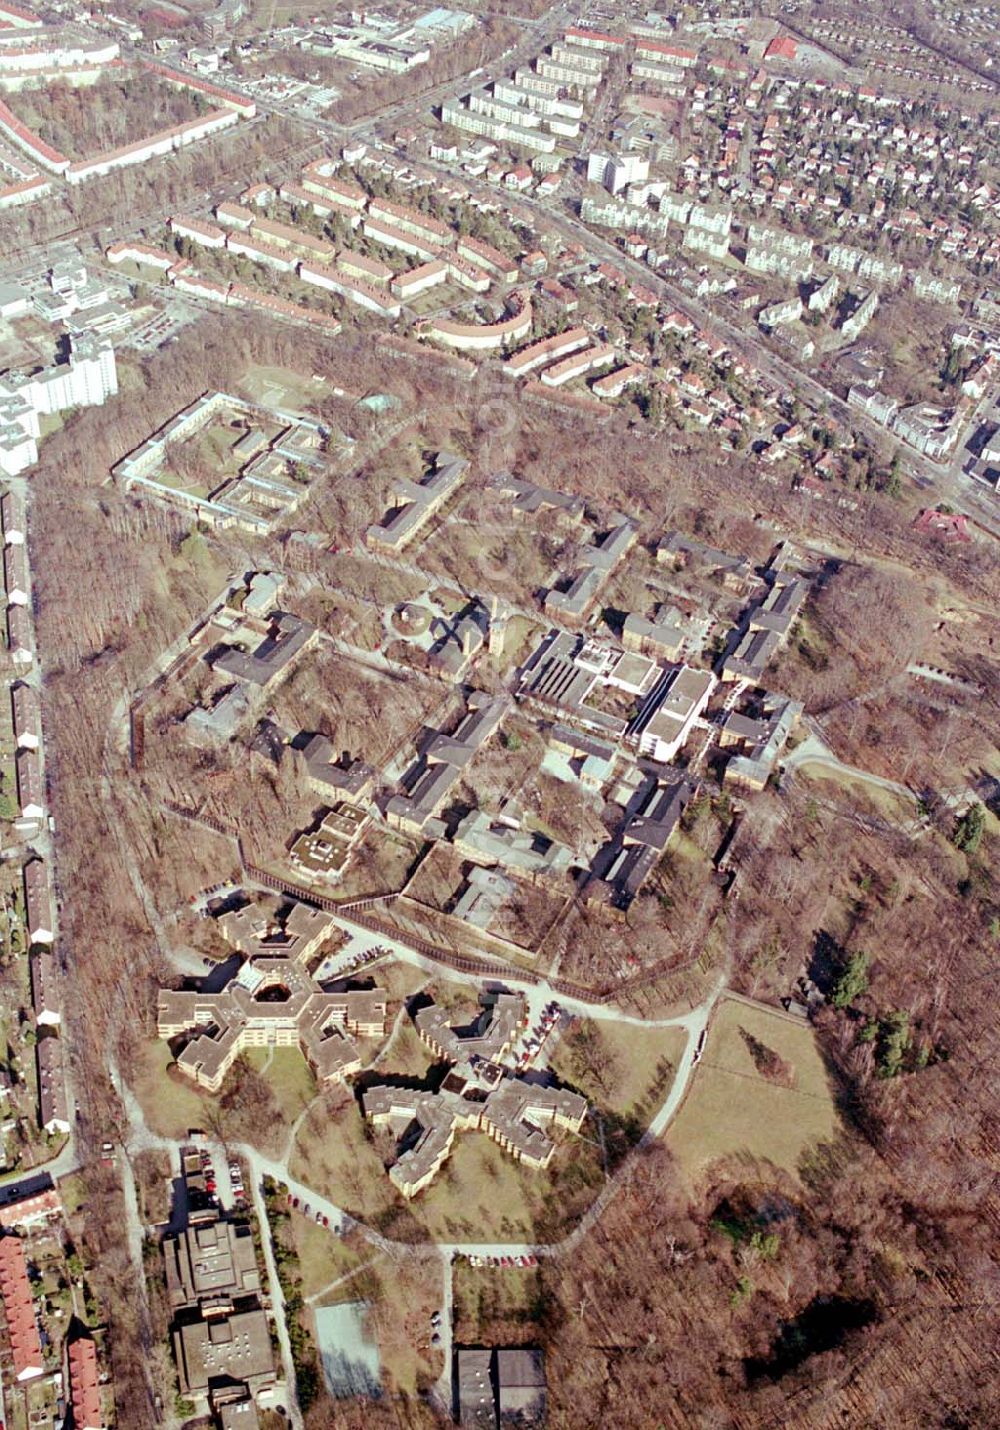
(8, 791)
(865, 797)
(170, 1102)
(325, 1258)
(520, 639)
(618, 1066)
(280, 386)
(399, 979)
(176, 483)
(732, 1111)
(288, 1076)
(214, 444)
(173, 1104)
(408, 1056)
(72, 1191)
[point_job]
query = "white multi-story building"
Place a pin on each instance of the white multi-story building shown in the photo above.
(617, 171)
(88, 379)
(455, 113)
(71, 47)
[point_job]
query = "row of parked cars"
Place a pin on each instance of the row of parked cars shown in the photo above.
(506, 1262)
(298, 1205)
(358, 960)
(533, 1043)
(236, 1178)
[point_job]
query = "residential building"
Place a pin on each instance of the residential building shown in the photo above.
(514, 1113)
(490, 1036)
(46, 1002)
(663, 638)
(531, 500)
(323, 853)
(503, 841)
(53, 1106)
(330, 777)
(22, 1204)
(777, 314)
(15, 575)
(442, 763)
(483, 337)
(546, 350)
(597, 561)
(245, 1014)
(273, 1001)
(616, 171)
(852, 327)
(84, 1384)
(578, 365)
(621, 866)
(19, 1311)
(420, 502)
(87, 379)
(13, 519)
(758, 740)
(38, 902)
(20, 636)
(735, 572)
(876, 404)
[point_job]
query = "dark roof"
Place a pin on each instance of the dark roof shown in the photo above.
(283, 642)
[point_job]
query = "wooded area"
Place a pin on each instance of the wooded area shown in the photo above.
(111, 112)
(864, 1282)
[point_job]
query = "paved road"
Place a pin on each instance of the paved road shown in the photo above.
(813, 751)
(278, 1306)
(446, 1332)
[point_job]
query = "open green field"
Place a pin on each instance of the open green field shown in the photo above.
(281, 387)
(256, 1106)
(288, 1076)
(325, 1258)
(177, 483)
(171, 1103)
(620, 1067)
(734, 1112)
(864, 795)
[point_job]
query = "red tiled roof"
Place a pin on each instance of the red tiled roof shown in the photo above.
(19, 1309)
(594, 35)
(228, 96)
(782, 47)
(9, 120)
(84, 1392)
